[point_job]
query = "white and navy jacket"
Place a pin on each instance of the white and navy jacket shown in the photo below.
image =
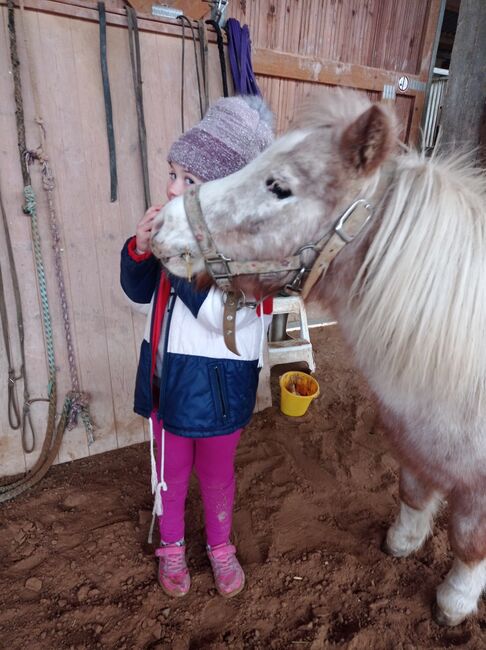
(204, 389)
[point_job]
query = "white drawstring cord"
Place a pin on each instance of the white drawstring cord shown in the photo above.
(152, 456)
(262, 336)
(157, 486)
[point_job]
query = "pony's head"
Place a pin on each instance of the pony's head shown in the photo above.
(290, 194)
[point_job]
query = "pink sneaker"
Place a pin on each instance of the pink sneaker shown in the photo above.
(228, 574)
(173, 573)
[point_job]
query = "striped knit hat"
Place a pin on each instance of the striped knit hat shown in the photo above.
(233, 132)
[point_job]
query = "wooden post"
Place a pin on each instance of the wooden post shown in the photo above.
(465, 100)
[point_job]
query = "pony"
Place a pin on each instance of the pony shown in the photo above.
(408, 292)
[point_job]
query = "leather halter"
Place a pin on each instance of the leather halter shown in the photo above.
(223, 270)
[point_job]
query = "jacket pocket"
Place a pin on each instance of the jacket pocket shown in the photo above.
(219, 389)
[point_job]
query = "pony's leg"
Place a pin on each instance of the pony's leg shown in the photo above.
(418, 505)
(458, 595)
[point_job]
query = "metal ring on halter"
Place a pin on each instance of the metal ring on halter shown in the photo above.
(240, 301)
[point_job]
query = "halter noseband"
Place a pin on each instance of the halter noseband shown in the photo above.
(223, 269)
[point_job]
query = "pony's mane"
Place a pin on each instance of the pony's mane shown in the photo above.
(420, 294)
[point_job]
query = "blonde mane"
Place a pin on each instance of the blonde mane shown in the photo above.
(420, 294)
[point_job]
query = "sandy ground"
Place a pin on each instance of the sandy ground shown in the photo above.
(315, 495)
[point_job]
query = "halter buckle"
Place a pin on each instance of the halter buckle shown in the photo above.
(349, 213)
(220, 259)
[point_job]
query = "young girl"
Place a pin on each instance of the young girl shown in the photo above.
(197, 394)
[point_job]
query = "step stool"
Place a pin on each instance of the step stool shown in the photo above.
(289, 350)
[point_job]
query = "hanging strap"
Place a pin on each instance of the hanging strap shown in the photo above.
(203, 47)
(222, 62)
(136, 64)
(110, 131)
(183, 19)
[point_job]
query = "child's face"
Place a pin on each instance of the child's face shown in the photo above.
(179, 180)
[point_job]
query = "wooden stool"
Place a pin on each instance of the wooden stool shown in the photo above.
(289, 350)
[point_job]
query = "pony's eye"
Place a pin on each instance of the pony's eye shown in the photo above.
(277, 189)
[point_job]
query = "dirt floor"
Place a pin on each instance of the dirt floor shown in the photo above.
(315, 496)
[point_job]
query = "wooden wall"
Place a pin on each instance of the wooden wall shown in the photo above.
(299, 48)
(369, 45)
(106, 331)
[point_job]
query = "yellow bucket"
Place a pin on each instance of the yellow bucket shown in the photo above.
(297, 390)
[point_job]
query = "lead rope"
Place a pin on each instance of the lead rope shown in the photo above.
(78, 399)
(13, 410)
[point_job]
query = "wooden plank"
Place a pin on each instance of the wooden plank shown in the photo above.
(308, 68)
(116, 325)
(63, 116)
(116, 16)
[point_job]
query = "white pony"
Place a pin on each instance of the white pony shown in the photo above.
(409, 293)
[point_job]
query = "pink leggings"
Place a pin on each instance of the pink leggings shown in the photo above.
(213, 461)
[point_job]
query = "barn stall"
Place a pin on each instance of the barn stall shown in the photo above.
(380, 47)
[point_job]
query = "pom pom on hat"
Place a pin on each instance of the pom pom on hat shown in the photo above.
(232, 133)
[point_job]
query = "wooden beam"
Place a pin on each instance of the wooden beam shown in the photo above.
(88, 10)
(271, 63)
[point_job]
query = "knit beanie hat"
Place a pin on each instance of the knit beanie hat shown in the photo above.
(233, 132)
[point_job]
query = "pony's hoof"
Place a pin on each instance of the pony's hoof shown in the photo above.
(393, 552)
(443, 619)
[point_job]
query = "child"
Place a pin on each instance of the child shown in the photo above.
(197, 394)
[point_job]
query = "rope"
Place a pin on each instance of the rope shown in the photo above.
(78, 399)
(13, 403)
(135, 59)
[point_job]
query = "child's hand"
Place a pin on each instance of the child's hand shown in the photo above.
(144, 228)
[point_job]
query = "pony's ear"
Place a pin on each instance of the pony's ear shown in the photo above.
(366, 143)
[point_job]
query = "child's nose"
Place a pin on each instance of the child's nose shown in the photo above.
(176, 188)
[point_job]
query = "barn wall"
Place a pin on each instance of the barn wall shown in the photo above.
(366, 45)
(299, 48)
(106, 331)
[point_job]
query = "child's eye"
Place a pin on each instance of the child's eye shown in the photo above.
(188, 181)
(172, 176)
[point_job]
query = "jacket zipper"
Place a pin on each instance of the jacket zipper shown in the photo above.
(163, 379)
(220, 390)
